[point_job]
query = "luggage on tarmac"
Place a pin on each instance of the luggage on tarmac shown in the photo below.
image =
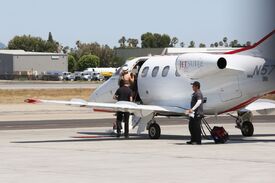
(219, 134)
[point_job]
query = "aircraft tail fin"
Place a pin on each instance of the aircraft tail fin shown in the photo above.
(263, 48)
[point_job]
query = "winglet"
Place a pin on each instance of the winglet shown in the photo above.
(32, 101)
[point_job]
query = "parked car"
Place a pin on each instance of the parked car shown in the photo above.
(68, 76)
(86, 76)
(78, 75)
(97, 76)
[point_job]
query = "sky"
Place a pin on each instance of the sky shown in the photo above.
(106, 21)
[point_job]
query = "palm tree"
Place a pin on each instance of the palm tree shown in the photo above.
(248, 43)
(134, 43)
(122, 41)
(174, 41)
(129, 41)
(78, 43)
(225, 39)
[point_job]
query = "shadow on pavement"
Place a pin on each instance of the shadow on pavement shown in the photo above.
(105, 136)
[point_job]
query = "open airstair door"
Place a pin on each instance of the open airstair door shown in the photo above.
(136, 70)
(230, 89)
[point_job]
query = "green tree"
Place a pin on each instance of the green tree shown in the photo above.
(117, 61)
(148, 40)
(248, 43)
(104, 52)
(212, 45)
(174, 41)
(51, 44)
(50, 37)
(234, 43)
(192, 44)
(225, 39)
(202, 45)
(158, 39)
(216, 44)
(27, 43)
(87, 61)
(165, 41)
(182, 44)
(220, 43)
(134, 43)
(66, 49)
(122, 42)
(71, 63)
(30, 43)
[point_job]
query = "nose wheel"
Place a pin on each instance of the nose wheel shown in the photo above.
(247, 129)
(154, 131)
(243, 122)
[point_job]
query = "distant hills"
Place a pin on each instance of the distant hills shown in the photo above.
(2, 45)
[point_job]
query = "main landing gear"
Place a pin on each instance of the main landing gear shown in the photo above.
(243, 122)
(154, 130)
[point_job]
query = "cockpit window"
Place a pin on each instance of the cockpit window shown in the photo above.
(144, 72)
(155, 71)
(165, 71)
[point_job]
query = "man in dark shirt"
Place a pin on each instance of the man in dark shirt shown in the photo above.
(196, 114)
(123, 93)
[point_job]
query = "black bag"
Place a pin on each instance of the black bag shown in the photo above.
(218, 134)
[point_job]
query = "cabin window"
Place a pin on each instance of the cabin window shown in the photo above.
(165, 71)
(155, 71)
(144, 72)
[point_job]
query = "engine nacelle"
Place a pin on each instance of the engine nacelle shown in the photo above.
(198, 65)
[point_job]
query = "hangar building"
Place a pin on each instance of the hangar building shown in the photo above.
(13, 62)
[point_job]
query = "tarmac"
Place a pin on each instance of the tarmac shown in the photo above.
(72, 151)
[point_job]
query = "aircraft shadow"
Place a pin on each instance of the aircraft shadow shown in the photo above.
(105, 136)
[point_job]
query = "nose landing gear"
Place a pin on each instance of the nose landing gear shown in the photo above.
(243, 122)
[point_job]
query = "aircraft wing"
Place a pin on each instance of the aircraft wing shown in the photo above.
(263, 106)
(124, 106)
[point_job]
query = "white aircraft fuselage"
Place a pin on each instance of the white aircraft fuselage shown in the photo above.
(224, 90)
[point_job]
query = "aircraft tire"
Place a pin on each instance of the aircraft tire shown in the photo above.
(247, 129)
(154, 131)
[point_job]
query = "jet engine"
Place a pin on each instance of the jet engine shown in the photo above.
(198, 65)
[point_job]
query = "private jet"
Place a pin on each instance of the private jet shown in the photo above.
(230, 81)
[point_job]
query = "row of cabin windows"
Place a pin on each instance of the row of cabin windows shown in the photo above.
(155, 71)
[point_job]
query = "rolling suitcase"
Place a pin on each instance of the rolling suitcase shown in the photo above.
(219, 134)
